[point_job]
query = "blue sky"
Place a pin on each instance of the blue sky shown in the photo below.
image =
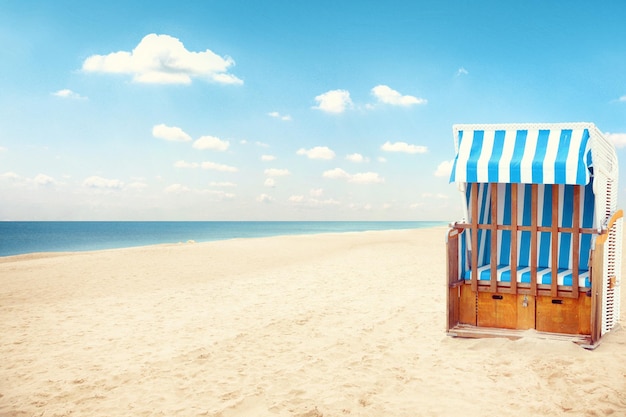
(283, 110)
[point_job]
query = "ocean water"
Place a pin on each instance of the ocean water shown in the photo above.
(28, 237)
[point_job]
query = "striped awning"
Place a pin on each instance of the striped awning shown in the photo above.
(526, 154)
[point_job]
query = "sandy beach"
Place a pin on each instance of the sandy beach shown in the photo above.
(318, 325)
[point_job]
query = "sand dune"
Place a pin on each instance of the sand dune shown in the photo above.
(321, 325)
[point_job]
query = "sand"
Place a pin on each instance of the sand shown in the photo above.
(320, 325)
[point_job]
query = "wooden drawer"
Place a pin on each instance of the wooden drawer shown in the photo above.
(497, 310)
(564, 315)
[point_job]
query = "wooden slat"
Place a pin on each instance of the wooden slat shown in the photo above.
(467, 305)
(584, 314)
(514, 226)
(533, 238)
(474, 230)
(596, 270)
(576, 239)
(453, 276)
(494, 237)
(453, 255)
(554, 238)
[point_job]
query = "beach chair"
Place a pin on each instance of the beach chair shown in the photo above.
(539, 249)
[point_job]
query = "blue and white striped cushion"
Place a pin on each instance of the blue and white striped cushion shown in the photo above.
(544, 275)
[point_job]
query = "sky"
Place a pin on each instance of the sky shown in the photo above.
(283, 110)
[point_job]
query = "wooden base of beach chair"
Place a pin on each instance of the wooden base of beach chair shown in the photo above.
(474, 332)
(486, 314)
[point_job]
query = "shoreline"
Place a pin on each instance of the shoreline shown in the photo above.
(54, 254)
(23, 238)
(306, 326)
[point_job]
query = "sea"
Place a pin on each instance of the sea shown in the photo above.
(17, 238)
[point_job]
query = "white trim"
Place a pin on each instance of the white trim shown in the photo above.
(526, 126)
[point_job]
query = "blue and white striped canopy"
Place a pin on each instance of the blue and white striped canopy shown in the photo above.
(525, 154)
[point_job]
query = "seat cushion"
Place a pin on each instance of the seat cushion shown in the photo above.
(544, 275)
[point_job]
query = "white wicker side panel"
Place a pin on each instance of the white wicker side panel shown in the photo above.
(605, 167)
(611, 277)
(618, 267)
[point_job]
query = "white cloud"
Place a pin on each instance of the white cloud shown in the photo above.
(336, 173)
(137, 185)
(277, 115)
(211, 142)
(10, 176)
(221, 195)
(179, 189)
(222, 184)
(37, 180)
(387, 95)
(67, 93)
(296, 198)
(312, 202)
(218, 167)
(270, 182)
(163, 59)
(356, 157)
(618, 139)
(382, 159)
(3, 149)
(359, 178)
(318, 152)
(261, 144)
(316, 192)
(461, 71)
(264, 198)
(444, 169)
(205, 165)
(105, 183)
(268, 158)
(359, 207)
(327, 202)
(184, 164)
(334, 101)
(403, 147)
(366, 178)
(171, 133)
(176, 189)
(42, 179)
(622, 98)
(274, 172)
(437, 196)
(224, 195)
